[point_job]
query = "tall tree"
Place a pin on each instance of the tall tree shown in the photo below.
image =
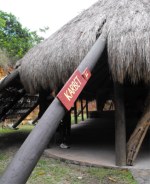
(15, 39)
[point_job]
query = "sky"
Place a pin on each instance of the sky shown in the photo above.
(35, 14)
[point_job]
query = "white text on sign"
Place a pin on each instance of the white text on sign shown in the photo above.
(73, 87)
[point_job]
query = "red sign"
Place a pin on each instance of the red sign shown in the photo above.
(73, 87)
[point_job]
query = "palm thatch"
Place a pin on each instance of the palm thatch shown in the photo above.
(126, 24)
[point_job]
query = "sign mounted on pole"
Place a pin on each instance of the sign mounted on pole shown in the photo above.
(73, 87)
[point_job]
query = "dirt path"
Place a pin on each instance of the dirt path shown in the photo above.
(141, 176)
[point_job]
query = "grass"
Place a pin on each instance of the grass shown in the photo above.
(79, 118)
(22, 128)
(122, 176)
(57, 172)
(54, 171)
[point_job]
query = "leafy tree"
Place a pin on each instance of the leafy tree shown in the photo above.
(2, 22)
(15, 39)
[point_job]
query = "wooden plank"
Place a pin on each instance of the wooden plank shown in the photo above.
(138, 135)
(134, 146)
(120, 126)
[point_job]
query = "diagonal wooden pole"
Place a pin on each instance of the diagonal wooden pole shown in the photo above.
(25, 115)
(9, 78)
(139, 133)
(28, 155)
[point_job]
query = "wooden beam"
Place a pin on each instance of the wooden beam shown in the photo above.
(82, 110)
(8, 79)
(75, 112)
(87, 108)
(120, 126)
(25, 115)
(138, 135)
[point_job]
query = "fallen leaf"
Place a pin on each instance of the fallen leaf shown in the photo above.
(112, 179)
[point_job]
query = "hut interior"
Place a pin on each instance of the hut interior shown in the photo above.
(130, 101)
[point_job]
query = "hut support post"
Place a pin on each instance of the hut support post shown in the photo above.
(100, 103)
(75, 113)
(82, 110)
(120, 126)
(87, 109)
(29, 153)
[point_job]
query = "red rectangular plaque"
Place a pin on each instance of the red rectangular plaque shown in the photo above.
(71, 90)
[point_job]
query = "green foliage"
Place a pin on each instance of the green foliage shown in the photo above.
(2, 22)
(14, 38)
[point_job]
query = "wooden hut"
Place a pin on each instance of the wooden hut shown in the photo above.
(123, 72)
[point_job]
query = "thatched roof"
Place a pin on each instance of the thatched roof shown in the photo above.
(127, 26)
